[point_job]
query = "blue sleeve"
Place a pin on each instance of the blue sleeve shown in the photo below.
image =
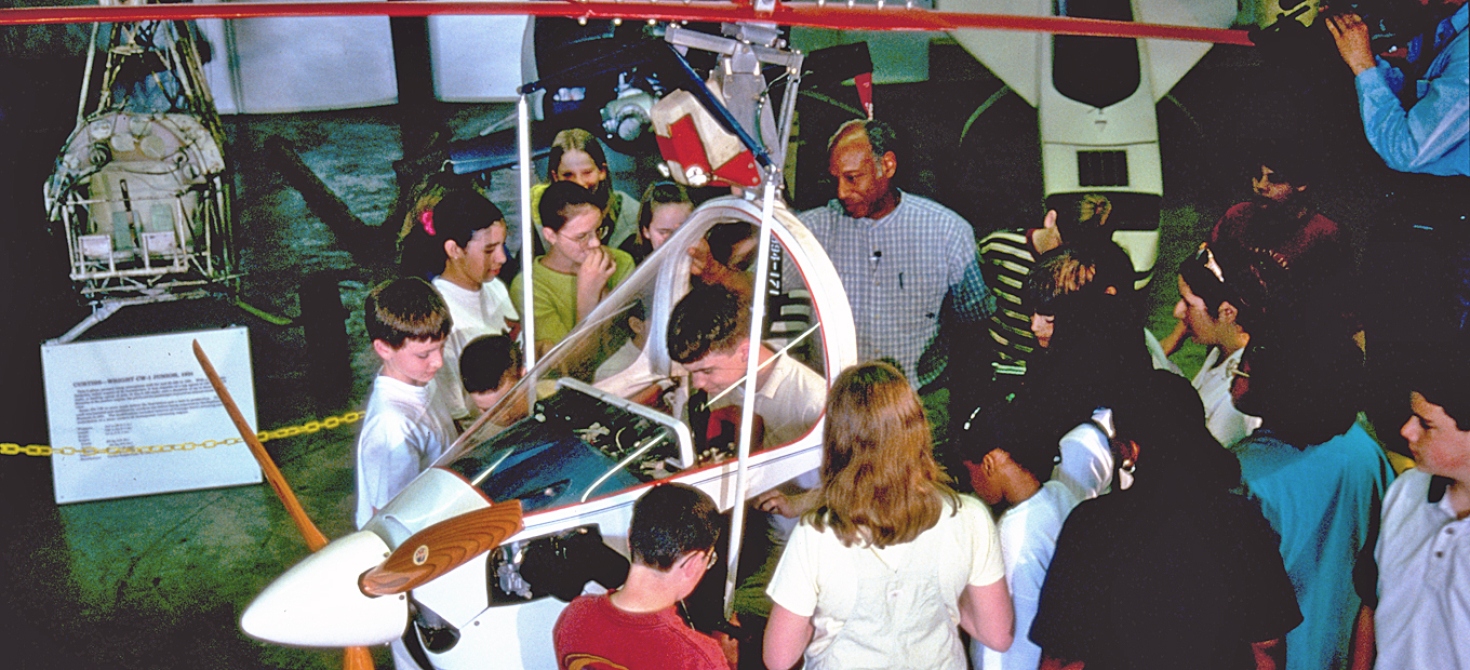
(1413, 140)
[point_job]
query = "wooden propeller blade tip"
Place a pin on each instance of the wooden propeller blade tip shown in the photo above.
(357, 658)
(442, 547)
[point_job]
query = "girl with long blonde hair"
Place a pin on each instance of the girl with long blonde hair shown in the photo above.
(891, 562)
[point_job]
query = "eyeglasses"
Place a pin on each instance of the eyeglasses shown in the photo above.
(601, 233)
(714, 555)
(1234, 370)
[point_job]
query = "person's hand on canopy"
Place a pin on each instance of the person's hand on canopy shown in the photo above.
(704, 267)
(775, 501)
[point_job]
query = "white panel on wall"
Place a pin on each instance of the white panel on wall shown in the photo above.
(476, 58)
(274, 65)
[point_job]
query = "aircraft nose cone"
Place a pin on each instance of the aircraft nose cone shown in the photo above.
(317, 602)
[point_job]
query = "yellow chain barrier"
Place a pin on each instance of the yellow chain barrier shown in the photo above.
(313, 426)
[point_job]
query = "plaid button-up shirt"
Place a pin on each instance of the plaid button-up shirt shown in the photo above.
(904, 275)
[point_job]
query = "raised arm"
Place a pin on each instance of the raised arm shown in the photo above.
(592, 277)
(1351, 36)
(1408, 140)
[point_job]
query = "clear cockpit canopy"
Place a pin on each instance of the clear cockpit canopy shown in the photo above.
(599, 413)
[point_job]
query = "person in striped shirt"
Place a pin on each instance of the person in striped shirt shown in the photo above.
(1006, 259)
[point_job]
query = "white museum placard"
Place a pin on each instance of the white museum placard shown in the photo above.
(114, 402)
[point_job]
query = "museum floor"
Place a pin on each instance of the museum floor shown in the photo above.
(160, 581)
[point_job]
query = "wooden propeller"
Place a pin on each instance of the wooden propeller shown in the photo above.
(442, 547)
(354, 658)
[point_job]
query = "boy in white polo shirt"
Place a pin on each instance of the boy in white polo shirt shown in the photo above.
(1422, 616)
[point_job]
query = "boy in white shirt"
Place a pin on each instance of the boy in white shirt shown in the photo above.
(1414, 589)
(402, 433)
(1017, 477)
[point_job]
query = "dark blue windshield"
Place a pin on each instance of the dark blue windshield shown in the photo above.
(564, 449)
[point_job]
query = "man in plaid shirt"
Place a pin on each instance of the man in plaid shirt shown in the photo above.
(907, 263)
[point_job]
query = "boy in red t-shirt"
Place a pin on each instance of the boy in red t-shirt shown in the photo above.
(672, 538)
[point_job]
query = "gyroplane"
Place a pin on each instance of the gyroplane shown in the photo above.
(474, 559)
(585, 451)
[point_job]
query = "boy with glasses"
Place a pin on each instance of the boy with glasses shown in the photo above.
(672, 539)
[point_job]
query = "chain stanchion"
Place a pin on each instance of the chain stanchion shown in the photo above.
(313, 426)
